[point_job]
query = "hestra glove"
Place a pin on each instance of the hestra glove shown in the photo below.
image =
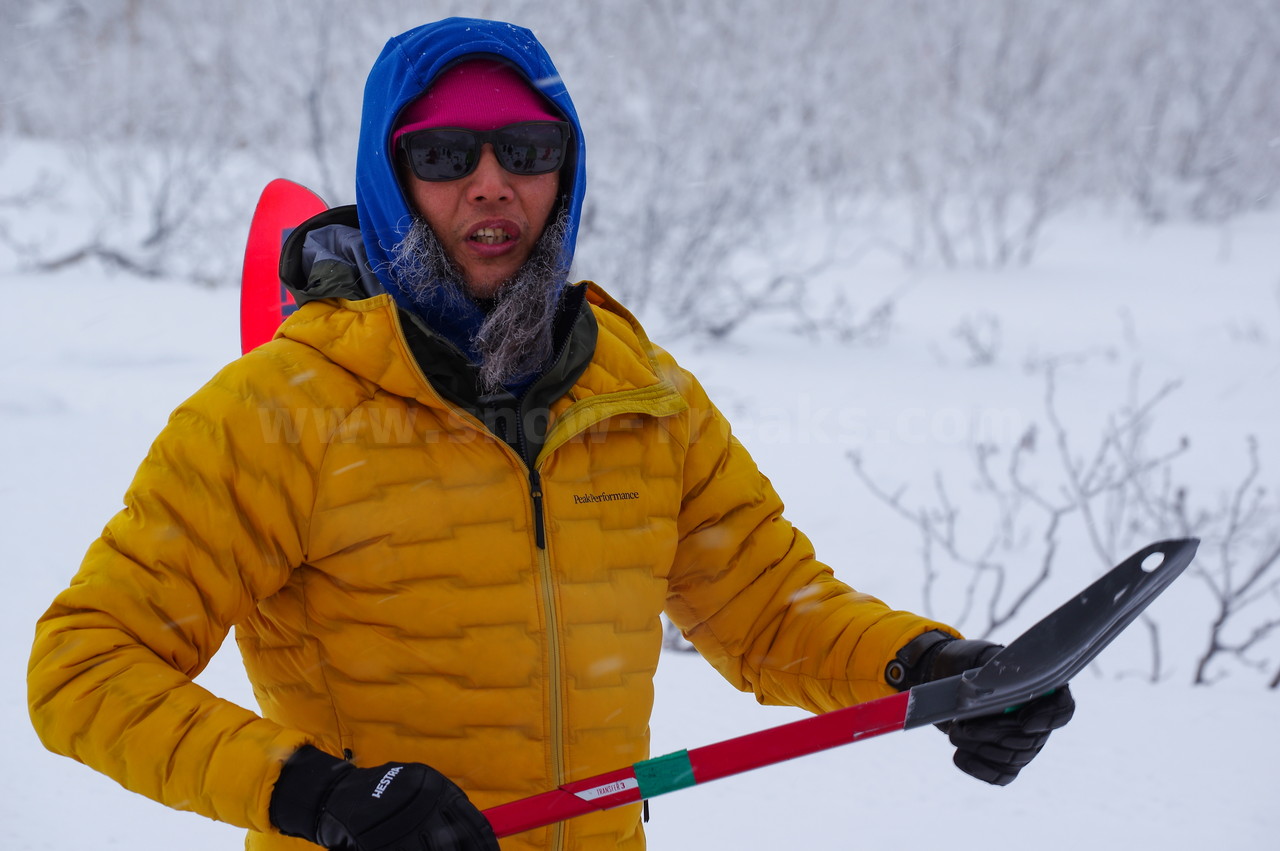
(394, 807)
(992, 748)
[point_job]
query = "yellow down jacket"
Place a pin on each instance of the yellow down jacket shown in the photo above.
(377, 551)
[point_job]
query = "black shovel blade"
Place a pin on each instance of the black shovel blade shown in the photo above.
(1062, 644)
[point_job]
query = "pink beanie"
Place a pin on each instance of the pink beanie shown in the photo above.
(478, 94)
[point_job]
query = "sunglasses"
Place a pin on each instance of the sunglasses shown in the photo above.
(447, 153)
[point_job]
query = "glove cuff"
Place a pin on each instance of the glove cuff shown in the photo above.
(301, 791)
(907, 668)
(956, 657)
(935, 655)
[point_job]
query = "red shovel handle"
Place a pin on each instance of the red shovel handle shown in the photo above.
(688, 768)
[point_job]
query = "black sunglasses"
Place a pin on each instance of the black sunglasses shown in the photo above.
(447, 153)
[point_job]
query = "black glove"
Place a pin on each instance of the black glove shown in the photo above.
(992, 748)
(394, 807)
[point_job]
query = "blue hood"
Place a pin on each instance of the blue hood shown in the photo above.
(406, 67)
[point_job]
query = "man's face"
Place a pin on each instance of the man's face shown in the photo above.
(488, 221)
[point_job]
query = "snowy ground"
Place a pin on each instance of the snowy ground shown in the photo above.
(92, 364)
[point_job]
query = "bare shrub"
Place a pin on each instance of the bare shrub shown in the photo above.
(742, 153)
(1112, 493)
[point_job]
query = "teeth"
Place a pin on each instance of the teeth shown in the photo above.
(490, 236)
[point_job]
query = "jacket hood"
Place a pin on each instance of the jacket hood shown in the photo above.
(405, 69)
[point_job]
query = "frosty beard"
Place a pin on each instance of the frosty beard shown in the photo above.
(515, 340)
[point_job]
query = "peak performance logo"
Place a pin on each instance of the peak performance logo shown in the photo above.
(585, 498)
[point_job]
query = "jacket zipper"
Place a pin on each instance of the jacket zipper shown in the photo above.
(555, 674)
(539, 525)
(535, 480)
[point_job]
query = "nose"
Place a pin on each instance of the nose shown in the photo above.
(490, 181)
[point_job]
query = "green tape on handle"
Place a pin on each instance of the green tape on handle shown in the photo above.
(664, 774)
(1016, 707)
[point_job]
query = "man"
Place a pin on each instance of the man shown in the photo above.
(446, 572)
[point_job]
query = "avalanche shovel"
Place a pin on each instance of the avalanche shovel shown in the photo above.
(1043, 658)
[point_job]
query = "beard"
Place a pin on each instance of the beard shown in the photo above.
(516, 338)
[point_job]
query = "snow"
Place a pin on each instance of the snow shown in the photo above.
(93, 363)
